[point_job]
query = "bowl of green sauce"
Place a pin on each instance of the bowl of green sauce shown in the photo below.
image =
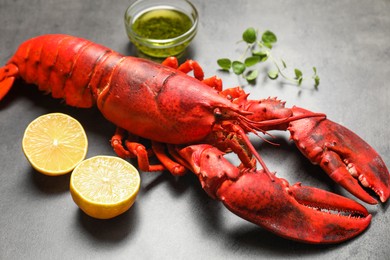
(161, 28)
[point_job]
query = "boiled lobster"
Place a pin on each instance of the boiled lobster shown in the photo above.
(191, 123)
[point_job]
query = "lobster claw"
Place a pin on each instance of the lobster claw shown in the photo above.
(343, 155)
(296, 212)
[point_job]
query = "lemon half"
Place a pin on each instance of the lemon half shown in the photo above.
(104, 186)
(54, 143)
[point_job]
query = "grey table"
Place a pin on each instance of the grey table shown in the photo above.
(348, 42)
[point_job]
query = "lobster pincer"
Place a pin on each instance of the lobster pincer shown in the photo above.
(343, 155)
(296, 212)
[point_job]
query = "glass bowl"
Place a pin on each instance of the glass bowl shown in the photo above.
(161, 28)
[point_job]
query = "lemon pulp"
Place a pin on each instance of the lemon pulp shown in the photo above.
(54, 143)
(104, 186)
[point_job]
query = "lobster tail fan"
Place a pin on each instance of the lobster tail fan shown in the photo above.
(8, 74)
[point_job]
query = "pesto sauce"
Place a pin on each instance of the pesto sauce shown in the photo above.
(162, 24)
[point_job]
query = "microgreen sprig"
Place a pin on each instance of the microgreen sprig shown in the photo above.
(258, 51)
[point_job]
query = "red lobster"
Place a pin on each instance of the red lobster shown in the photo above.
(191, 123)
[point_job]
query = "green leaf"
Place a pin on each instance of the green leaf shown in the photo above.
(298, 74)
(249, 35)
(316, 78)
(252, 75)
(263, 54)
(269, 38)
(273, 74)
(300, 81)
(316, 81)
(238, 67)
(224, 63)
(268, 45)
(284, 64)
(251, 61)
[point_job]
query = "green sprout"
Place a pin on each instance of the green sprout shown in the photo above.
(259, 51)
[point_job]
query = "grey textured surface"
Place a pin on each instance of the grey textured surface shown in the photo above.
(348, 41)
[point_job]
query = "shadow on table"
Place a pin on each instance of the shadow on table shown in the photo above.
(109, 230)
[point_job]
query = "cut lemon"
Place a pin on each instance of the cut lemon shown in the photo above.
(104, 186)
(54, 143)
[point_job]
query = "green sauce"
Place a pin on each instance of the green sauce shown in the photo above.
(162, 31)
(162, 24)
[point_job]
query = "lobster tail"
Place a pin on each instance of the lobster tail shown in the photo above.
(67, 66)
(8, 73)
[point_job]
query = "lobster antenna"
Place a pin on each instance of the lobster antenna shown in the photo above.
(278, 121)
(255, 130)
(252, 149)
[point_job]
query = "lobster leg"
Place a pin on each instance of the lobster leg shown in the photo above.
(133, 149)
(173, 167)
(296, 212)
(136, 150)
(116, 143)
(187, 66)
(190, 65)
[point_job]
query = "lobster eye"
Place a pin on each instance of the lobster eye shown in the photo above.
(217, 113)
(221, 113)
